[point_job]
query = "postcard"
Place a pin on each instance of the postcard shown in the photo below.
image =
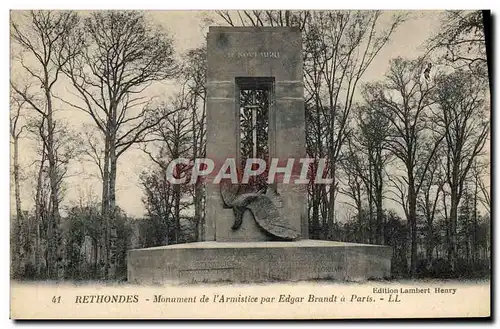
(250, 164)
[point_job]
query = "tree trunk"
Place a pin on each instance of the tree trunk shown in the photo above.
(359, 207)
(412, 218)
(331, 205)
(112, 215)
(430, 244)
(55, 241)
(380, 218)
(17, 189)
(177, 204)
(474, 223)
(38, 213)
(18, 251)
(95, 255)
(371, 233)
(379, 197)
(452, 247)
(104, 254)
(315, 229)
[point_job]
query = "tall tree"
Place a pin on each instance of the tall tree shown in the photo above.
(463, 116)
(354, 185)
(42, 37)
(365, 164)
(339, 47)
(428, 200)
(194, 76)
(120, 55)
(16, 130)
(173, 140)
(372, 137)
(405, 99)
(41, 211)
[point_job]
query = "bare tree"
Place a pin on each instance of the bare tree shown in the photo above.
(16, 130)
(39, 225)
(120, 55)
(339, 48)
(480, 195)
(373, 137)
(354, 182)
(173, 140)
(40, 197)
(461, 37)
(428, 200)
(195, 87)
(43, 40)
(365, 163)
(463, 116)
(405, 100)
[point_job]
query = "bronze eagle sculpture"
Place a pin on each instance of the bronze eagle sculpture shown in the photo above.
(264, 207)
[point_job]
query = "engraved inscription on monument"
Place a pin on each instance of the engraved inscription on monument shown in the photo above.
(254, 54)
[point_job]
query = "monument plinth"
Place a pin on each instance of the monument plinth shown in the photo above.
(256, 231)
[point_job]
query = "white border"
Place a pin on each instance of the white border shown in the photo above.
(187, 5)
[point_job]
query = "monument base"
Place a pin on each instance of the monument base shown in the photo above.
(258, 262)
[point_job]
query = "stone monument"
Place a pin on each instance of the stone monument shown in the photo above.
(250, 235)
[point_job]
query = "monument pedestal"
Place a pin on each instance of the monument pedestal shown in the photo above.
(258, 262)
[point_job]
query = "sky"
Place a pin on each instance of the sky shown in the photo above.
(188, 29)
